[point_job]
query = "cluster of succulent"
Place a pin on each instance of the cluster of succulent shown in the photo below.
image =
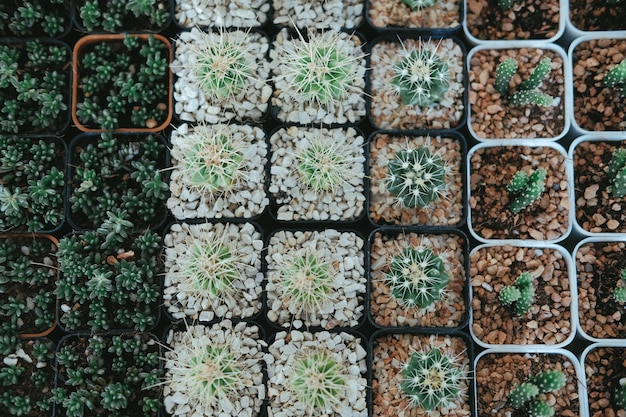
(115, 171)
(114, 15)
(109, 277)
(432, 378)
(524, 189)
(28, 271)
(114, 375)
(619, 397)
(34, 87)
(123, 84)
(616, 171)
(619, 292)
(34, 18)
(26, 377)
(528, 91)
(417, 177)
(421, 76)
(528, 395)
(32, 182)
(521, 293)
(616, 78)
(417, 277)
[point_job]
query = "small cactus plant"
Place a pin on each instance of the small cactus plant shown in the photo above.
(616, 171)
(417, 277)
(432, 379)
(506, 4)
(419, 4)
(527, 92)
(417, 177)
(620, 396)
(619, 293)
(617, 78)
(524, 189)
(421, 76)
(318, 381)
(528, 394)
(522, 293)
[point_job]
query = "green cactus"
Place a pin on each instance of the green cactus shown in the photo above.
(417, 277)
(619, 293)
(432, 379)
(620, 396)
(527, 394)
(527, 92)
(522, 293)
(616, 171)
(319, 381)
(617, 78)
(419, 4)
(416, 176)
(524, 189)
(421, 76)
(506, 4)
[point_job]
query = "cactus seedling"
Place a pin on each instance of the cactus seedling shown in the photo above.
(617, 78)
(522, 293)
(528, 394)
(524, 189)
(419, 4)
(619, 293)
(616, 171)
(506, 4)
(527, 92)
(432, 379)
(416, 177)
(620, 396)
(417, 277)
(318, 381)
(421, 76)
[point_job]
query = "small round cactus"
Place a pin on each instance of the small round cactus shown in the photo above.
(522, 293)
(616, 171)
(432, 379)
(524, 189)
(527, 92)
(210, 160)
(318, 381)
(417, 177)
(307, 280)
(417, 277)
(419, 4)
(421, 76)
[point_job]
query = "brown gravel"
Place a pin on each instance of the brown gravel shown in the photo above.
(549, 320)
(597, 268)
(526, 19)
(498, 373)
(392, 13)
(597, 15)
(596, 107)
(493, 117)
(450, 311)
(387, 110)
(384, 207)
(390, 352)
(596, 210)
(604, 367)
(491, 169)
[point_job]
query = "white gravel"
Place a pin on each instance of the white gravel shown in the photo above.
(232, 13)
(328, 14)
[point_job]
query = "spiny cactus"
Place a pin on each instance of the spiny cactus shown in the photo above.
(432, 379)
(524, 189)
(527, 92)
(528, 394)
(522, 293)
(620, 396)
(307, 281)
(416, 177)
(619, 293)
(616, 171)
(617, 78)
(421, 76)
(318, 381)
(419, 4)
(417, 277)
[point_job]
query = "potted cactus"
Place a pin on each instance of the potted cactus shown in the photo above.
(123, 16)
(417, 84)
(518, 92)
(35, 18)
(605, 372)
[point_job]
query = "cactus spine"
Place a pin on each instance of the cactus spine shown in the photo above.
(522, 293)
(616, 171)
(527, 92)
(419, 4)
(524, 189)
(617, 78)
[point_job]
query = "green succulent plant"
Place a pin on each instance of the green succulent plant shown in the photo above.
(524, 189)
(616, 77)
(421, 76)
(527, 92)
(307, 281)
(417, 277)
(432, 379)
(34, 18)
(521, 293)
(417, 177)
(419, 4)
(619, 397)
(619, 292)
(318, 381)
(616, 171)
(115, 15)
(528, 395)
